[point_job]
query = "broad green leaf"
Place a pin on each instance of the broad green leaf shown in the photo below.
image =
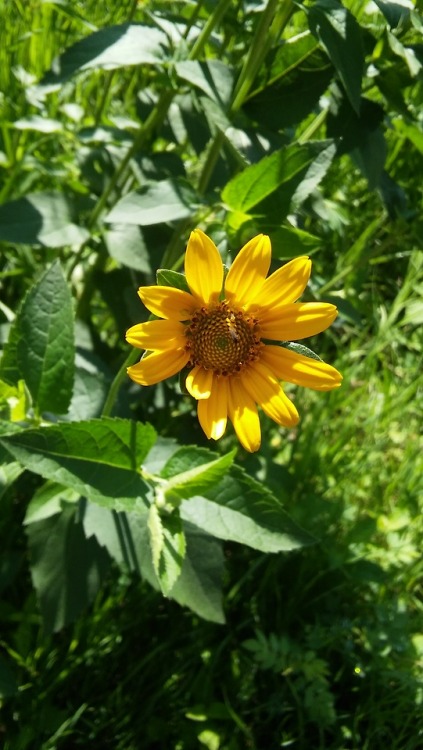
(125, 243)
(43, 342)
(168, 546)
(213, 77)
(395, 13)
(66, 568)
(40, 124)
(340, 35)
(165, 277)
(40, 219)
(99, 458)
(192, 471)
(288, 242)
(110, 48)
(126, 538)
(48, 500)
(159, 202)
(258, 181)
(240, 509)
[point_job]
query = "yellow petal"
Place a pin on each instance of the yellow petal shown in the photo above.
(157, 335)
(248, 271)
(285, 285)
(213, 411)
(199, 382)
(203, 267)
(167, 302)
(301, 370)
(244, 416)
(263, 387)
(159, 366)
(296, 321)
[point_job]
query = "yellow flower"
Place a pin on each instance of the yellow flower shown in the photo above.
(220, 330)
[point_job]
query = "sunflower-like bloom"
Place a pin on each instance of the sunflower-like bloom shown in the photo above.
(220, 331)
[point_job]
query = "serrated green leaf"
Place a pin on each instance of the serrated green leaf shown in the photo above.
(258, 181)
(40, 219)
(242, 510)
(159, 202)
(110, 48)
(126, 538)
(165, 277)
(43, 342)
(66, 568)
(168, 546)
(99, 458)
(340, 35)
(192, 471)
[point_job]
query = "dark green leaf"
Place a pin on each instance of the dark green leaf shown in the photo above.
(126, 537)
(40, 219)
(40, 349)
(66, 568)
(394, 13)
(8, 682)
(213, 77)
(99, 458)
(159, 202)
(340, 34)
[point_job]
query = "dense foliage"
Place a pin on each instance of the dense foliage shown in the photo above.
(159, 591)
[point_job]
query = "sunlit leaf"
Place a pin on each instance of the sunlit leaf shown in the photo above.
(99, 458)
(163, 201)
(41, 343)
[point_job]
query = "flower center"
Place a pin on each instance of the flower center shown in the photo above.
(222, 339)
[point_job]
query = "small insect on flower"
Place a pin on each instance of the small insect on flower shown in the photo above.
(220, 331)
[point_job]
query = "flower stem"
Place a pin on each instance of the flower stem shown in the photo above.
(117, 382)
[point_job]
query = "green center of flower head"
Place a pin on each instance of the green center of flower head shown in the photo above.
(222, 339)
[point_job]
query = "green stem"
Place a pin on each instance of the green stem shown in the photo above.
(117, 382)
(272, 22)
(210, 24)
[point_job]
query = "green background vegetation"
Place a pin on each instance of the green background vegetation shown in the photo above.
(302, 121)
